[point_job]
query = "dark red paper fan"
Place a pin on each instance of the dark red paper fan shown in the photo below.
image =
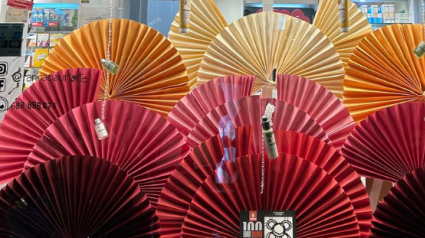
(187, 113)
(401, 214)
(291, 183)
(141, 142)
(388, 144)
(248, 111)
(194, 169)
(75, 196)
(319, 103)
(37, 108)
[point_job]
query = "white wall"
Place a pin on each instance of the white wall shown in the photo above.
(232, 10)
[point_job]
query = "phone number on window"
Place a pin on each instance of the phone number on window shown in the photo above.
(33, 105)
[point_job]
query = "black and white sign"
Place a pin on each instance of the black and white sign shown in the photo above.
(267, 224)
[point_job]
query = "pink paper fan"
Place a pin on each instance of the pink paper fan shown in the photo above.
(319, 103)
(141, 142)
(37, 108)
(187, 113)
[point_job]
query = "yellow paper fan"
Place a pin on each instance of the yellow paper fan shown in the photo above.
(151, 71)
(259, 43)
(327, 21)
(383, 71)
(206, 22)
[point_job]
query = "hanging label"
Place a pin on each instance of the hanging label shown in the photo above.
(268, 5)
(262, 224)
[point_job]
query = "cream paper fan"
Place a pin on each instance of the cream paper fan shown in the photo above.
(151, 71)
(206, 22)
(327, 21)
(259, 43)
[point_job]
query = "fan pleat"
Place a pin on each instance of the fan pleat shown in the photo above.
(401, 212)
(148, 65)
(327, 21)
(383, 71)
(23, 127)
(388, 144)
(191, 109)
(75, 196)
(140, 142)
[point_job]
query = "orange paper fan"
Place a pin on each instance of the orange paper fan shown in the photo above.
(388, 144)
(258, 44)
(319, 103)
(248, 111)
(291, 183)
(151, 71)
(206, 22)
(36, 109)
(141, 142)
(402, 212)
(383, 70)
(191, 109)
(75, 196)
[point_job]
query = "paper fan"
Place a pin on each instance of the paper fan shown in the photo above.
(248, 111)
(187, 113)
(206, 22)
(388, 144)
(319, 103)
(213, 152)
(151, 71)
(38, 107)
(291, 183)
(259, 43)
(140, 142)
(402, 213)
(327, 20)
(383, 70)
(75, 196)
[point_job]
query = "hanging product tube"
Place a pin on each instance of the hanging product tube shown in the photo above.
(344, 21)
(269, 138)
(184, 16)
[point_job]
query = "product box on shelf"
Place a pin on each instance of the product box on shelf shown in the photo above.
(43, 40)
(40, 55)
(402, 17)
(54, 39)
(385, 12)
(391, 10)
(364, 10)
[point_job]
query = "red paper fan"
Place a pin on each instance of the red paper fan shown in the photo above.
(193, 170)
(187, 113)
(401, 214)
(321, 104)
(248, 111)
(37, 108)
(75, 196)
(291, 183)
(388, 144)
(141, 142)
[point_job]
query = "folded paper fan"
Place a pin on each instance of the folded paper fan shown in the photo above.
(248, 111)
(401, 213)
(212, 153)
(75, 196)
(206, 22)
(141, 142)
(259, 43)
(151, 71)
(319, 103)
(37, 108)
(187, 113)
(327, 20)
(383, 70)
(291, 183)
(388, 144)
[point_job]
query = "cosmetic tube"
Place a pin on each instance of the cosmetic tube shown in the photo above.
(184, 16)
(344, 23)
(269, 138)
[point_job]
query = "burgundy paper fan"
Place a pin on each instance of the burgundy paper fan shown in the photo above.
(319, 103)
(37, 108)
(388, 144)
(141, 142)
(193, 170)
(187, 113)
(401, 214)
(291, 183)
(248, 111)
(75, 196)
